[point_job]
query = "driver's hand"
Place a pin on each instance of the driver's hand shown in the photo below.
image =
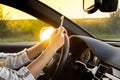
(57, 38)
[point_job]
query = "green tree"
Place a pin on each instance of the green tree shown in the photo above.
(114, 22)
(4, 30)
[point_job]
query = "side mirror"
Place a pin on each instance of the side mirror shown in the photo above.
(91, 6)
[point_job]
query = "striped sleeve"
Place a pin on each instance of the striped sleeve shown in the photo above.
(9, 74)
(16, 60)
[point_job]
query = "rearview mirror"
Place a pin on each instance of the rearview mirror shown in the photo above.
(109, 5)
(91, 6)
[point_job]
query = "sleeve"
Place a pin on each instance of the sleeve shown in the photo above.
(22, 74)
(16, 60)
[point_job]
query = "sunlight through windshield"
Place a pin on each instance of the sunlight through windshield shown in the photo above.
(101, 25)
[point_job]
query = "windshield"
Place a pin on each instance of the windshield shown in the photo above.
(18, 26)
(101, 25)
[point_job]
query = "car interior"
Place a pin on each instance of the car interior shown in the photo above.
(83, 56)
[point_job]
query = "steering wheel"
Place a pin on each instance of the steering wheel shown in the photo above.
(54, 70)
(63, 58)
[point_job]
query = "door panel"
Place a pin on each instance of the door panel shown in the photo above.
(15, 47)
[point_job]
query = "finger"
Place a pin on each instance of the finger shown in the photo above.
(55, 31)
(63, 30)
(58, 30)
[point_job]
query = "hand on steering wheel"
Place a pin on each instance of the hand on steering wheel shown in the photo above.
(63, 58)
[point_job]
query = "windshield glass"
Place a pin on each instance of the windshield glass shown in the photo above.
(101, 25)
(18, 26)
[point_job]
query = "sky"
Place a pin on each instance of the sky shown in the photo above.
(70, 8)
(73, 8)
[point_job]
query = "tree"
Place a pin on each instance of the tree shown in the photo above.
(114, 22)
(3, 23)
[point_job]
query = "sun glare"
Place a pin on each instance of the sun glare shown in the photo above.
(46, 33)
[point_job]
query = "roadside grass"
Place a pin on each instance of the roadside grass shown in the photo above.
(28, 30)
(21, 31)
(108, 36)
(30, 38)
(22, 38)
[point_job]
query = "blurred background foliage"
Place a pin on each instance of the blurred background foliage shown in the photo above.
(19, 30)
(106, 28)
(24, 30)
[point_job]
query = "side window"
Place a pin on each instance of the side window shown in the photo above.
(17, 26)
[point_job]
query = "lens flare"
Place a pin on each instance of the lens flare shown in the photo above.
(46, 33)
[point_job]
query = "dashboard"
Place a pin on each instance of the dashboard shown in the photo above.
(88, 57)
(81, 52)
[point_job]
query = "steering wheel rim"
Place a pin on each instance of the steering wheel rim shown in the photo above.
(63, 58)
